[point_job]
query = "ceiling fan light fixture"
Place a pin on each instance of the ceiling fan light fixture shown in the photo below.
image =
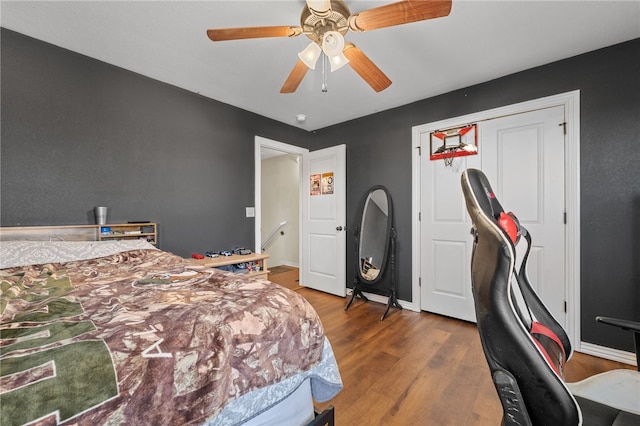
(332, 43)
(338, 61)
(310, 55)
(332, 46)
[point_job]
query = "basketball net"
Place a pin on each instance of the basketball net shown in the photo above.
(449, 160)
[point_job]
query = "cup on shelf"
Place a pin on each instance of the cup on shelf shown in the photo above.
(101, 215)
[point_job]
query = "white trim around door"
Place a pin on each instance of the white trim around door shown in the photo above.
(571, 103)
(260, 143)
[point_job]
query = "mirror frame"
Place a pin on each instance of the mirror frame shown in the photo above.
(387, 239)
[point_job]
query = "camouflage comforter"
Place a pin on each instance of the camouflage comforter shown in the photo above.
(143, 337)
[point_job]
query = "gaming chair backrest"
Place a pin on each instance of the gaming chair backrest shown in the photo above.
(509, 346)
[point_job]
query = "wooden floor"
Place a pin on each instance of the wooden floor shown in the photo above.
(414, 368)
(286, 276)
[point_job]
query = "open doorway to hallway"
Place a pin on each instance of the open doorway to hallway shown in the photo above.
(278, 174)
(280, 215)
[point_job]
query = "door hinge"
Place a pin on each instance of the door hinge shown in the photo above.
(419, 281)
(419, 216)
(419, 148)
(565, 306)
(564, 127)
(565, 218)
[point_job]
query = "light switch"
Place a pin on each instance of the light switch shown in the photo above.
(251, 211)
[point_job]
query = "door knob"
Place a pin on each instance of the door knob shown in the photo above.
(339, 228)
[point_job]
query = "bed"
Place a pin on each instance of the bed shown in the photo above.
(121, 332)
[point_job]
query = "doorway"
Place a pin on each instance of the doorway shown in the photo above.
(322, 214)
(280, 207)
(277, 201)
(427, 280)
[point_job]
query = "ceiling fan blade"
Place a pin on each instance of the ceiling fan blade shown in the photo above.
(366, 68)
(224, 34)
(402, 12)
(295, 77)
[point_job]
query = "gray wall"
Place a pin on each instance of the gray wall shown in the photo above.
(77, 133)
(609, 84)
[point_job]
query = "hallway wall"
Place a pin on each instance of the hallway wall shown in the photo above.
(280, 193)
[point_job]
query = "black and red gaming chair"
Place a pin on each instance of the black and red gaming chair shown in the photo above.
(525, 347)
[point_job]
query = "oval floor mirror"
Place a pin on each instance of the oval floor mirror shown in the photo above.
(375, 248)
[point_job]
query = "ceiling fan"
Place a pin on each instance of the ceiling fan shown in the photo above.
(326, 22)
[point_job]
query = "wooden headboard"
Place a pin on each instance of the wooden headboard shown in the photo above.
(50, 233)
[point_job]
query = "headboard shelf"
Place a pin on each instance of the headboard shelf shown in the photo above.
(146, 230)
(50, 233)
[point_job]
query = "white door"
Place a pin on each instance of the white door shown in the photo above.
(323, 222)
(523, 158)
(446, 242)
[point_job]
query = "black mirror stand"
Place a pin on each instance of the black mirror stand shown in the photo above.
(359, 285)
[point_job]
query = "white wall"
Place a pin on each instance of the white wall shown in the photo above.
(280, 201)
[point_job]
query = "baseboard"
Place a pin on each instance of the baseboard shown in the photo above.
(607, 353)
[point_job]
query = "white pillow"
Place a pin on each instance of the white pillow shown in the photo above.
(21, 253)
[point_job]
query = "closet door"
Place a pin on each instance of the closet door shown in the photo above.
(523, 157)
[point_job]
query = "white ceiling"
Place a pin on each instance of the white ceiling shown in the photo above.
(478, 41)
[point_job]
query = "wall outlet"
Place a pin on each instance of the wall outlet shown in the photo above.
(251, 211)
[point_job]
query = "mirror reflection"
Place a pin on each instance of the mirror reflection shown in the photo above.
(374, 234)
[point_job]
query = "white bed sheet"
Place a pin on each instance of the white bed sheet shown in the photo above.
(295, 410)
(325, 383)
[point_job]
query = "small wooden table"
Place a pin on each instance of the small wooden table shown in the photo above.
(256, 258)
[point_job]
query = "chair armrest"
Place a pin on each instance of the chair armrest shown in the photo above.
(627, 325)
(632, 326)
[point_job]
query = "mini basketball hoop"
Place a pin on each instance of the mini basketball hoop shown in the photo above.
(455, 142)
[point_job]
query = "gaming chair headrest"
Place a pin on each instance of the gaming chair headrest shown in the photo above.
(486, 201)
